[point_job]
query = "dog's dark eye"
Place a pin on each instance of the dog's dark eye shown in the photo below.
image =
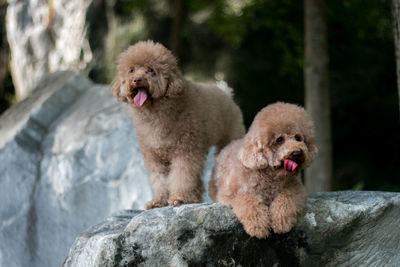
(150, 70)
(298, 138)
(279, 140)
(131, 70)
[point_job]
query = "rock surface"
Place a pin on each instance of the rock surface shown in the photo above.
(335, 229)
(68, 159)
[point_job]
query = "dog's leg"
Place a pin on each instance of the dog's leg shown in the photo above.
(285, 207)
(159, 172)
(160, 187)
(252, 213)
(212, 187)
(185, 184)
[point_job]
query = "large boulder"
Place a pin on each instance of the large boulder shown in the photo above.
(335, 229)
(68, 159)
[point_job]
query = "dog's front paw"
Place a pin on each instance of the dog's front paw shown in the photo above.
(175, 202)
(261, 232)
(282, 220)
(282, 224)
(155, 204)
(178, 200)
(257, 226)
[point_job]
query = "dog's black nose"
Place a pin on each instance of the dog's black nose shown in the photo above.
(297, 154)
(137, 80)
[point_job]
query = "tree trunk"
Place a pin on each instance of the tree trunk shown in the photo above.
(317, 94)
(178, 13)
(4, 52)
(44, 37)
(396, 32)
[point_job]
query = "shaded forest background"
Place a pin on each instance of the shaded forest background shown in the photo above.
(257, 46)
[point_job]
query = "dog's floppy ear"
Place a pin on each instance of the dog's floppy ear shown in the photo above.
(175, 84)
(161, 84)
(313, 150)
(252, 154)
(116, 90)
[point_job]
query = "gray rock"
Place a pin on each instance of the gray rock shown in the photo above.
(68, 159)
(335, 229)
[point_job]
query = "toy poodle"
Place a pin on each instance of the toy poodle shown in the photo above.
(258, 175)
(176, 120)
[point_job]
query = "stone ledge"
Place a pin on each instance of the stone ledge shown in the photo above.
(336, 229)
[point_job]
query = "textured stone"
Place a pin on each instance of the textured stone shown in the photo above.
(68, 159)
(335, 229)
(351, 229)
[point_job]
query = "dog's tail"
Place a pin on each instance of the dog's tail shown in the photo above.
(221, 84)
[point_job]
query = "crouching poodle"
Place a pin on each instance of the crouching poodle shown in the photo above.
(258, 176)
(176, 120)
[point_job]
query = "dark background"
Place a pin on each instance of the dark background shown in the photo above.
(260, 51)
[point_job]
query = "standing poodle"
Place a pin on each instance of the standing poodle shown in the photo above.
(258, 176)
(176, 120)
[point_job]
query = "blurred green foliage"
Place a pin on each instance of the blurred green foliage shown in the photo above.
(259, 47)
(364, 94)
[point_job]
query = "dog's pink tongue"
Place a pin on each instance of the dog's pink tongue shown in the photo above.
(140, 97)
(290, 165)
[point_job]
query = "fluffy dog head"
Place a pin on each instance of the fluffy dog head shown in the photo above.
(146, 71)
(281, 137)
